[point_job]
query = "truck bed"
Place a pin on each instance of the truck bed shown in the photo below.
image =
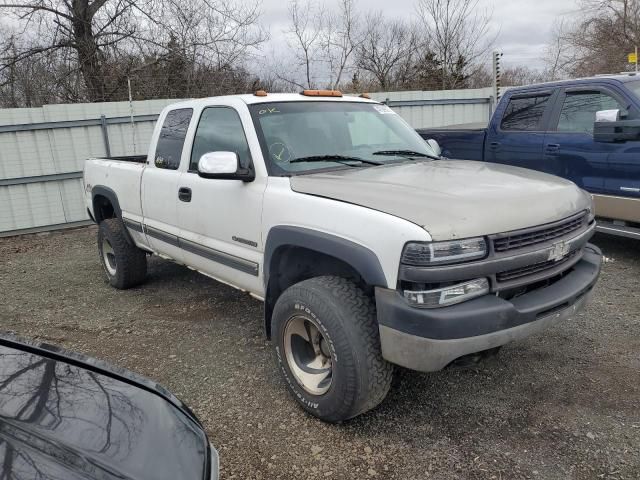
(122, 174)
(128, 158)
(458, 141)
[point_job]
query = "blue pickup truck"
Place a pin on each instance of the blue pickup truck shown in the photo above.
(585, 130)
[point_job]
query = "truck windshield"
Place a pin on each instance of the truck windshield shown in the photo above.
(299, 137)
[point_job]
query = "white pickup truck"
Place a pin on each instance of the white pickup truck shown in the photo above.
(367, 249)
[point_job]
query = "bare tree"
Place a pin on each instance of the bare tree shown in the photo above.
(213, 33)
(511, 76)
(386, 46)
(459, 35)
(601, 38)
(305, 40)
(88, 28)
(340, 38)
(481, 78)
(522, 75)
(558, 54)
(105, 41)
(323, 42)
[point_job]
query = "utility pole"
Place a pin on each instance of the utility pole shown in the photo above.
(133, 125)
(497, 56)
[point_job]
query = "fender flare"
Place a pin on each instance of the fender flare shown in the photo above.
(110, 195)
(363, 260)
(113, 198)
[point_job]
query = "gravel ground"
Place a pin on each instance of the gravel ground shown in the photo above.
(562, 405)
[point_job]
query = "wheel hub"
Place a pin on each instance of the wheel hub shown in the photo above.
(109, 257)
(307, 354)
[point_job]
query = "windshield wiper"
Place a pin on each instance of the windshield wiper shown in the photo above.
(335, 158)
(405, 153)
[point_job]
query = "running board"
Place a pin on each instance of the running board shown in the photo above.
(620, 230)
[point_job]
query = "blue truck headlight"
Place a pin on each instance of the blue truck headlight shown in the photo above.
(442, 297)
(425, 254)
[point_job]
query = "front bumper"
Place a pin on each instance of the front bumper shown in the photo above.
(429, 339)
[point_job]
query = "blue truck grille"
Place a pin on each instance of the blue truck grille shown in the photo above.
(534, 236)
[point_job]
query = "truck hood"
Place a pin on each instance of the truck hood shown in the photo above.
(452, 198)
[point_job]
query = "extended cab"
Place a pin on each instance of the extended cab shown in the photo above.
(585, 130)
(366, 248)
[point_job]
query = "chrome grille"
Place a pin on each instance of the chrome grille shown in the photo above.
(534, 268)
(533, 236)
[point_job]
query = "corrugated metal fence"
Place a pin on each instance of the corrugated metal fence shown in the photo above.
(42, 150)
(440, 108)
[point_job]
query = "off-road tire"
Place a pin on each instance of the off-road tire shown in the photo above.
(130, 267)
(347, 319)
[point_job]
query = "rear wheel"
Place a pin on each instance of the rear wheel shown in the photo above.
(124, 263)
(328, 348)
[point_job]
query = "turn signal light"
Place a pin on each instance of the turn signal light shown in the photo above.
(442, 297)
(321, 93)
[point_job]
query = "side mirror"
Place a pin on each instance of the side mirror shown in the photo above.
(609, 127)
(224, 166)
(608, 115)
(435, 146)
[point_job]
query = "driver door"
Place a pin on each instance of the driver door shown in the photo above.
(220, 220)
(570, 149)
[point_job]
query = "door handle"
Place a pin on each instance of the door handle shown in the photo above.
(184, 194)
(494, 145)
(552, 147)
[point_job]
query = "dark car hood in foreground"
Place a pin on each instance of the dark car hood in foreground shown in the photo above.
(63, 416)
(452, 198)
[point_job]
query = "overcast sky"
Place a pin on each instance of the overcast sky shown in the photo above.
(523, 25)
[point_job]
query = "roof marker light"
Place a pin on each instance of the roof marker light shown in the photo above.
(321, 93)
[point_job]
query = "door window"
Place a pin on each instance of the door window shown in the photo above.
(220, 130)
(579, 110)
(524, 113)
(171, 140)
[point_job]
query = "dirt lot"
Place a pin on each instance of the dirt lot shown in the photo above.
(562, 405)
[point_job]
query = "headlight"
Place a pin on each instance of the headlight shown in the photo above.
(442, 253)
(450, 295)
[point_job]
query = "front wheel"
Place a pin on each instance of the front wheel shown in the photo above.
(328, 348)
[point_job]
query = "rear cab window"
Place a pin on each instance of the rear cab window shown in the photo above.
(525, 113)
(171, 140)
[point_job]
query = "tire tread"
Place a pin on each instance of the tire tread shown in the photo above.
(131, 268)
(369, 379)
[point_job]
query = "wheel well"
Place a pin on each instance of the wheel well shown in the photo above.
(103, 208)
(291, 264)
